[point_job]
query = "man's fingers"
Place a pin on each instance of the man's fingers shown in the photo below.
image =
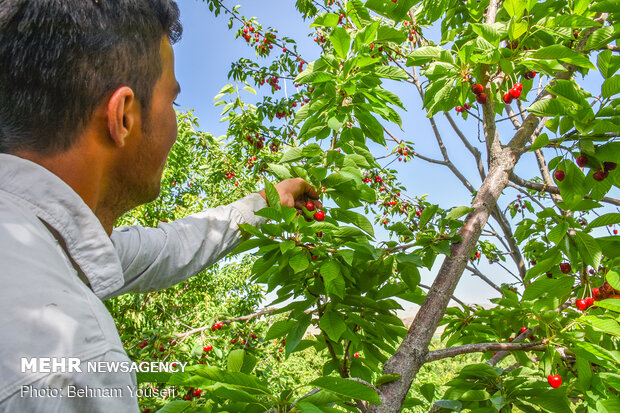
(311, 192)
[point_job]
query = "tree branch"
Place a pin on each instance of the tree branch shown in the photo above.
(475, 271)
(482, 347)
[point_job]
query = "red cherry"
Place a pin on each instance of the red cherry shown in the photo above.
(482, 98)
(314, 257)
(582, 305)
(589, 301)
(310, 206)
(144, 344)
(458, 109)
(467, 106)
(600, 175)
(530, 75)
(609, 166)
(565, 268)
(518, 86)
(357, 354)
(207, 348)
(507, 98)
(523, 329)
(555, 381)
(559, 175)
(582, 160)
(477, 88)
(161, 348)
(615, 232)
(594, 292)
(515, 93)
(319, 215)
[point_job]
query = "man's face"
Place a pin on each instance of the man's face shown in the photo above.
(143, 166)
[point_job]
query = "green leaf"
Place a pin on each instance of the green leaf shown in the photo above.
(612, 304)
(297, 332)
(456, 213)
(600, 353)
(280, 171)
(270, 213)
(613, 278)
(326, 19)
(607, 6)
(603, 62)
(427, 214)
(293, 155)
(279, 329)
(604, 220)
(243, 381)
(333, 324)
(514, 8)
(611, 86)
(390, 9)
(249, 89)
(341, 41)
(298, 262)
(390, 72)
(558, 232)
(549, 107)
(306, 407)
(604, 324)
(563, 53)
(347, 388)
(589, 250)
(235, 360)
(423, 55)
(359, 220)
(370, 126)
(572, 188)
(490, 32)
(517, 29)
(548, 287)
(368, 34)
(334, 283)
(541, 141)
(554, 401)
(273, 197)
(574, 20)
(389, 34)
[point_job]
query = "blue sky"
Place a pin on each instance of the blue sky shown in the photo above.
(203, 59)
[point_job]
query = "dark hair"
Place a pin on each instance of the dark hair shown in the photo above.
(60, 58)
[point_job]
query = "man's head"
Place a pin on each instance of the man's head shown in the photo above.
(59, 59)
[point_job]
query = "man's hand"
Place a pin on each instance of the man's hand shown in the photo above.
(295, 192)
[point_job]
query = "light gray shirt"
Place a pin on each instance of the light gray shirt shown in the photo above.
(47, 234)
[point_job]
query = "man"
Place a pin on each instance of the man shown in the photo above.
(86, 124)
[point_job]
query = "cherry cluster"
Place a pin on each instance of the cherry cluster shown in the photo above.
(463, 108)
(481, 96)
(513, 93)
(599, 175)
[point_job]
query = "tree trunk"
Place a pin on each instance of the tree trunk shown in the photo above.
(411, 354)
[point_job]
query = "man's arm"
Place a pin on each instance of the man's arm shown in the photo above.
(157, 258)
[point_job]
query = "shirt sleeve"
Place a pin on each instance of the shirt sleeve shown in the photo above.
(156, 258)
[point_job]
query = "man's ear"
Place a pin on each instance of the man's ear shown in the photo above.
(123, 112)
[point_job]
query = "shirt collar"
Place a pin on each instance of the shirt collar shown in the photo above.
(56, 203)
